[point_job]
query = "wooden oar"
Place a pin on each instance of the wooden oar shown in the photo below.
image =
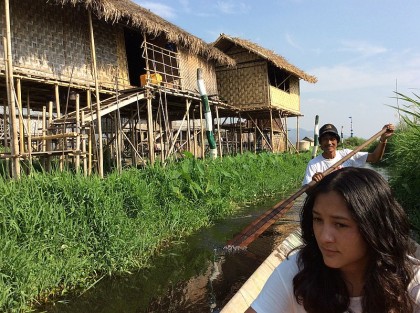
(251, 232)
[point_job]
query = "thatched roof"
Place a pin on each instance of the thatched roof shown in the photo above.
(126, 11)
(269, 55)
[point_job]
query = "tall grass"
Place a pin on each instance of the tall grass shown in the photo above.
(403, 160)
(62, 232)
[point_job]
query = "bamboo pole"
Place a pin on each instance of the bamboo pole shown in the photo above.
(219, 137)
(255, 135)
(241, 151)
(6, 134)
(49, 143)
(77, 159)
(44, 132)
(7, 43)
(203, 147)
(91, 138)
(297, 134)
(188, 126)
(150, 134)
(98, 102)
(83, 126)
(57, 100)
(19, 103)
(271, 130)
(28, 109)
(194, 134)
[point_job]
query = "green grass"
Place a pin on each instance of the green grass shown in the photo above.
(403, 160)
(61, 232)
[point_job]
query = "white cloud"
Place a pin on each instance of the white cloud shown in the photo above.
(291, 41)
(404, 68)
(159, 9)
(362, 48)
(232, 7)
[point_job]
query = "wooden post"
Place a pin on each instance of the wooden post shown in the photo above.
(188, 126)
(194, 134)
(271, 130)
(91, 135)
(83, 125)
(150, 133)
(6, 134)
(219, 137)
(287, 134)
(297, 134)
(48, 142)
(57, 100)
(241, 151)
(255, 136)
(162, 155)
(28, 109)
(20, 114)
(44, 133)
(203, 146)
(77, 148)
(7, 43)
(98, 101)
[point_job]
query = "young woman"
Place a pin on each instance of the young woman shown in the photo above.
(355, 255)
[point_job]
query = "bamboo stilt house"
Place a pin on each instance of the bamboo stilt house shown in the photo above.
(264, 85)
(86, 76)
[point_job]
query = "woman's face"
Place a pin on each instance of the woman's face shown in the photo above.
(337, 234)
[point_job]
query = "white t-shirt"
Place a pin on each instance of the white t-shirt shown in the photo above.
(321, 164)
(277, 294)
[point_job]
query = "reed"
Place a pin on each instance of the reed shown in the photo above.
(62, 232)
(403, 159)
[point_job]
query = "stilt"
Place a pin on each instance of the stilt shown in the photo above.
(219, 137)
(78, 132)
(150, 134)
(271, 130)
(98, 101)
(7, 44)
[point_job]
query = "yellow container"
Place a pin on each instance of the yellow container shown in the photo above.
(154, 79)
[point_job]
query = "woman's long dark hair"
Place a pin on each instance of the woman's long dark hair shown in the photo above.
(383, 225)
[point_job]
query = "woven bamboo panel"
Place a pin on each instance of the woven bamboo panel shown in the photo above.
(188, 64)
(284, 100)
(53, 41)
(244, 86)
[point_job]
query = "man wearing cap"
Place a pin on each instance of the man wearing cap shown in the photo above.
(328, 142)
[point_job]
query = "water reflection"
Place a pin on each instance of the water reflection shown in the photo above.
(197, 275)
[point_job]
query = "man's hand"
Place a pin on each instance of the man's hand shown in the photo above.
(317, 176)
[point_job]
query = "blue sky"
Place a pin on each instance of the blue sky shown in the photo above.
(361, 51)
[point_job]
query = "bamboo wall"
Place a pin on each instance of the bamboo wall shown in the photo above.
(188, 64)
(246, 86)
(51, 41)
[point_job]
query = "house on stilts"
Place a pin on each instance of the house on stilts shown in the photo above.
(266, 90)
(89, 84)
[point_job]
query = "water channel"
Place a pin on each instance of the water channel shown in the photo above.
(197, 275)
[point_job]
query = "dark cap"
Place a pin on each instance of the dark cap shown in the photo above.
(329, 129)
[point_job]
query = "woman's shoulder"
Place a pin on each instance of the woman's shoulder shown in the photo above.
(289, 266)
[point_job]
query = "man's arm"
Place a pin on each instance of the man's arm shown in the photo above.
(378, 153)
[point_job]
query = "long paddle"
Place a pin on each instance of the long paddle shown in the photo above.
(256, 228)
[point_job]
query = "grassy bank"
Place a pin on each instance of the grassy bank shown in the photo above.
(403, 160)
(61, 231)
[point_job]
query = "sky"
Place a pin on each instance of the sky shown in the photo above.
(361, 51)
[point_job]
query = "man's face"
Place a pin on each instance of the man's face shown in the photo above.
(328, 142)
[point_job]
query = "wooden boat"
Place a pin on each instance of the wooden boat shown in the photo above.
(252, 287)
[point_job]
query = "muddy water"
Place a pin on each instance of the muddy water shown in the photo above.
(197, 275)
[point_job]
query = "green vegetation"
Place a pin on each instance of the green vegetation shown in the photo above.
(61, 232)
(403, 160)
